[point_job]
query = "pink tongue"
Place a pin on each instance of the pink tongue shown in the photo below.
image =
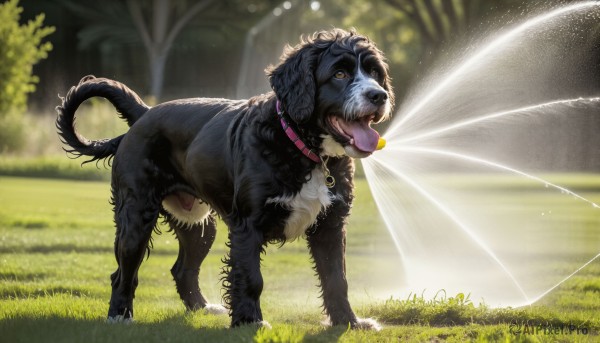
(365, 138)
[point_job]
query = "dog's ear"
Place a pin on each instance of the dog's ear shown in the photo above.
(293, 81)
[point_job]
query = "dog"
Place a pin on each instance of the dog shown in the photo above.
(276, 167)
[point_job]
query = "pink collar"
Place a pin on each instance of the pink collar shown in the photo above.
(295, 138)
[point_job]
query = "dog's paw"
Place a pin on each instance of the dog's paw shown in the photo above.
(360, 324)
(264, 324)
(216, 309)
(119, 319)
(367, 324)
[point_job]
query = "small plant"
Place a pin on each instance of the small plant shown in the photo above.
(443, 311)
(22, 47)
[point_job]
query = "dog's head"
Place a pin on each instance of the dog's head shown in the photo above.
(334, 85)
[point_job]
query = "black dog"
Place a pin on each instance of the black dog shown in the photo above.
(275, 167)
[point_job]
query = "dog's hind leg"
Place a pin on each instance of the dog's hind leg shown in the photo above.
(195, 242)
(135, 216)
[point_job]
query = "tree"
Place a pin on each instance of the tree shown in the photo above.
(158, 34)
(439, 23)
(156, 24)
(21, 47)
(434, 23)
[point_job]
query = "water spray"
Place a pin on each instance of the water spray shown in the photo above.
(441, 220)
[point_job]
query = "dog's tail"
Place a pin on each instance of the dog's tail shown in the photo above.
(128, 104)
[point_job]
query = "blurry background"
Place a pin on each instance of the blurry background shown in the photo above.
(167, 49)
(220, 48)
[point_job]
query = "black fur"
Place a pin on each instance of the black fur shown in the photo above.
(234, 156)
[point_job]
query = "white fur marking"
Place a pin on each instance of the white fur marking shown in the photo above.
(331, 148)
(121, 318)
(305, 205)
(216, 309)
(357, 101)
(361, 324)
(198, 214)
(368, 324)
(264, 324)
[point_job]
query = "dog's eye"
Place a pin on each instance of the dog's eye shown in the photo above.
(340, 74)
(374, 73)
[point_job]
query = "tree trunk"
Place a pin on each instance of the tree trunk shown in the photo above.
(158, 60)
(157, 73)
(159, 40)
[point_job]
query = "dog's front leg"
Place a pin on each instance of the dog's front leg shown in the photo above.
(244, 282)
(327, 244)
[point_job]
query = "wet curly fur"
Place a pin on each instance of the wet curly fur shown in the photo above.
(205, 157)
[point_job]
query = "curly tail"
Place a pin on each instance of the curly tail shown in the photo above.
(128, 104)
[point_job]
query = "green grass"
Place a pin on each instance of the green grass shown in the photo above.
(56, 257)
(55, 167)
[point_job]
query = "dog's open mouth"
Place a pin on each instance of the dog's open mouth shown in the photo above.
(357, 133)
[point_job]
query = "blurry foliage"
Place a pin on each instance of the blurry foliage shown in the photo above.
(53, 167)
(21, 48)
(101, 37)
(157, 25)
(12, 132)
(439, 22)
(387, 27)
(113, 43)
(413, 32)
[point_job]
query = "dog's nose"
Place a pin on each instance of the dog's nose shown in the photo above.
(377, 96)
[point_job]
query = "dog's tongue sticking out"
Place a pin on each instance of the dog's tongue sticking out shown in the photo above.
(363, 136)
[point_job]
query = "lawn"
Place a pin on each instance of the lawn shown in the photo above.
(56, 256)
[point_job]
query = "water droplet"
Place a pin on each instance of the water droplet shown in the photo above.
(315, 6)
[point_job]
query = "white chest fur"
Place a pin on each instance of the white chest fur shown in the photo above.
(305, 205)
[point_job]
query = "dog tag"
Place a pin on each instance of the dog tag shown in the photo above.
(329, 181)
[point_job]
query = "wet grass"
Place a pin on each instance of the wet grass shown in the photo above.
(56, 257)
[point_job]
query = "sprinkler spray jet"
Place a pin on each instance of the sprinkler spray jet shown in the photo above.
(461, 210)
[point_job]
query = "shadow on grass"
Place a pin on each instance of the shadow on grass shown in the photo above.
(180, 328)
(55, 248)
(175, 329)
(66, 248)
(330, 334)
(74, 248)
